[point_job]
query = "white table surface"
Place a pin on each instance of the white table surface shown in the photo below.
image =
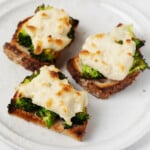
(144, 143)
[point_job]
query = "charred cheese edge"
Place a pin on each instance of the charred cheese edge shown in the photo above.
(48, 91)
(110, 53)
(48, 29)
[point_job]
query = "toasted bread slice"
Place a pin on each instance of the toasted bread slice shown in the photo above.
(56, 103)
(108, 62)
(76, 131)
(100, 88)
(20, 54)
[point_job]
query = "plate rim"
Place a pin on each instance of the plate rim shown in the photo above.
(124, 143)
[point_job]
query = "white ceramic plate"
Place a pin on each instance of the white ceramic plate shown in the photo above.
(115, 123)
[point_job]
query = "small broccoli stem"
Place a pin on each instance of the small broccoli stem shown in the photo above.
(71, 33)
(26, 104)
(61, 76)
(43, 7)
(139, 43)
(74, 23)
(47, 55)
(78, 119)
(29, 78)
(24, 39)
(47, 116)
(90, 73)
(139, 64)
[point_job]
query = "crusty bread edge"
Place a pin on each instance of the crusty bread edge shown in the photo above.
(98, 88)
(76, 131)
(20, 57)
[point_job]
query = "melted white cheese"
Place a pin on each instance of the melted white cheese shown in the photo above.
(103, 53)
(49, 29)
(48, 91)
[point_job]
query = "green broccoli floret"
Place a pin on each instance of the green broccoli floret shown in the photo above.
(47, 116)
(138, 63)
(26, 104)
(88, 72)
(74, 23)
(29, 78)
(24, 39)
(139, 43)
(66, 126)
(43, 7)
(119, 42)
(79, 119)
(71, 33)
(61, 76)
(47, 55)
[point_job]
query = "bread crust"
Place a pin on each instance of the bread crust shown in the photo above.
(20, 54)
(20, 57)
(100, 88)
(76, 131)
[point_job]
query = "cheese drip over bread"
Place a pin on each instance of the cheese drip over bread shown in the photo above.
(111, 53)
(48, 91)
(48, 29)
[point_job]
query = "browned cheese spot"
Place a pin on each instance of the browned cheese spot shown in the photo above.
(101, 35)
(65, 21)
(59, 42)
(61, 103)
(49, 103)
(67, 88)
(128, 41)
(38, 49)
(49, 38)
(32, 28)
(44, 15)
(96, 60)
(53, 74)
(130, 54)
(122, 67)
(60, 93)
(60, 27)
(119, 25)
(98, 52)
(84, 52)
(104, 63)
(64, 108)
(93, 45)
(78, 93)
